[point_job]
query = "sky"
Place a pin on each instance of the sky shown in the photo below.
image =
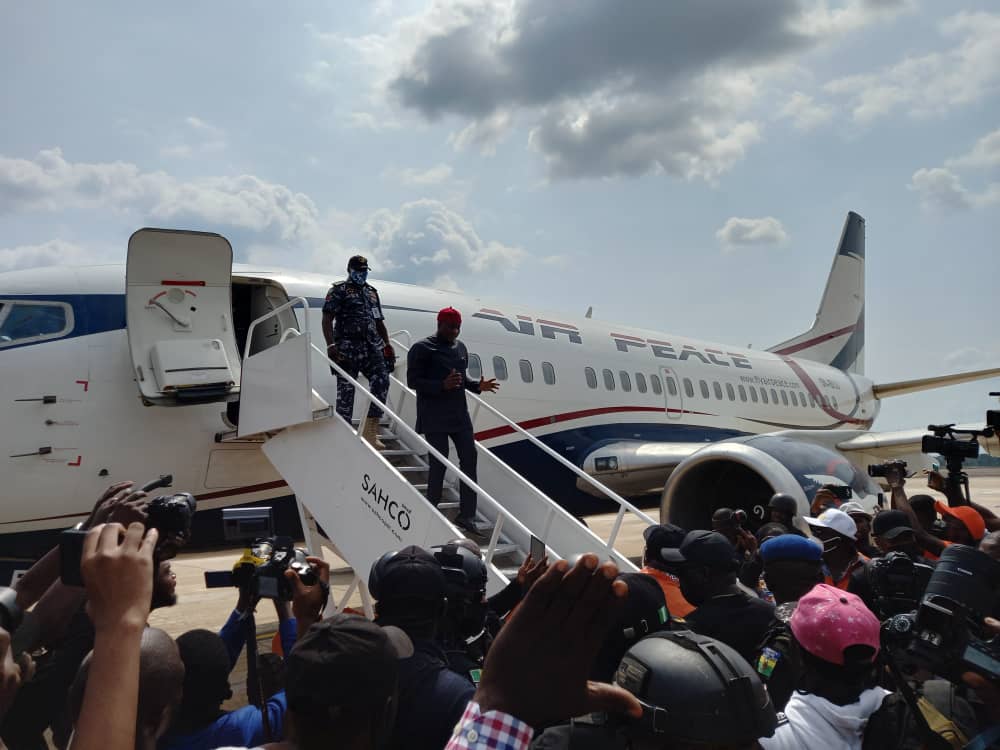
(684, 166)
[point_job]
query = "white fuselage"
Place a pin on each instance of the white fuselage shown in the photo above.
(58, 454)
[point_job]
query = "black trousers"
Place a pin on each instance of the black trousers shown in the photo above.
(465, 447)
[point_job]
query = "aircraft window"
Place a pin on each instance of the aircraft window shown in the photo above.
(609, 380)
(753, 394)
(591, 376)
(802, 400)
(704, 388)
(22, 321)
(784, 398)
(718, 390)
(640, 382)
(626, 381)
(763, 395)
(774, 396)
(500, 368)
(475, 367)
(548, 373)
(743, 394)
(527, 374)
(834, 400)
(730, 392)
(688, 387)
(654, 380)
(671, 386)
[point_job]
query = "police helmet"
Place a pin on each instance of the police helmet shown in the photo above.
(783, 503)
(409, 573)
(357, 263)
(694, 689)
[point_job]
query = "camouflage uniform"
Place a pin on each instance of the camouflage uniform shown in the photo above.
(359, 346)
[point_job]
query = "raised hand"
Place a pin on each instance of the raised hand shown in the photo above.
(308, 602)
(537, 667)
(117, 567)
(488, 386)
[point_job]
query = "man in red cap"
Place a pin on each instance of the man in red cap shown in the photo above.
(435, 369)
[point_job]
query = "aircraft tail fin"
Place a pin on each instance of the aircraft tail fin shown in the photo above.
(837, 337)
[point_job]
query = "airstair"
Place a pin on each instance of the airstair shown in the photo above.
(369, 501)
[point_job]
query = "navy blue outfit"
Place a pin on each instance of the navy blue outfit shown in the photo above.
(443, 414)
(355, 309)
(432, 699)
(240, 728)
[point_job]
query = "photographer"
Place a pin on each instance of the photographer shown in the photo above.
(410, 592)
(66, 628)
(723, 609)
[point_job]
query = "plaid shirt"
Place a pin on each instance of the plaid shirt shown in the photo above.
(489, 731)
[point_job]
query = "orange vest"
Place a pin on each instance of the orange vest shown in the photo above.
(677, 605)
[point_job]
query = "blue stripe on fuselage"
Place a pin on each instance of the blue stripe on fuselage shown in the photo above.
(92, 313)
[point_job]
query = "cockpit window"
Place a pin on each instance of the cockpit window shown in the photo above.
(22, 321)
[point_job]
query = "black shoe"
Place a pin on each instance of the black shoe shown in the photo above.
(467, 524)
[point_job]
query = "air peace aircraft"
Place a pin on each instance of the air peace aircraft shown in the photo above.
(99, 382)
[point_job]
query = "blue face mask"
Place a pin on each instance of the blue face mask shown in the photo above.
(358, 277)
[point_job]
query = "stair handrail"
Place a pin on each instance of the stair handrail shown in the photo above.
(623, 504)
(503, 515)
(272, 313)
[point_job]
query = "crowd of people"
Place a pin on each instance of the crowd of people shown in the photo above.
(726, 638)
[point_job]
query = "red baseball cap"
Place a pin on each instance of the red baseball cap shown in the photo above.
(968, 516)
(450, 315)
(827, 620)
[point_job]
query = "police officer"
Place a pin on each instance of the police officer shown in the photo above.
(357, 340)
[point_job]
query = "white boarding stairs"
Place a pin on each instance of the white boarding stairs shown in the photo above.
(369, 502)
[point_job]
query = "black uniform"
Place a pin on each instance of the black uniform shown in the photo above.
(442, 414)
(355, 310)
(738, 619)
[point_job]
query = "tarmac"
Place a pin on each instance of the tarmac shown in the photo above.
(198, 607)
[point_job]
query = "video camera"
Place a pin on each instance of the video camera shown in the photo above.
(945, 634)
(260, 572)
(170, 515)
(945, 441)
(882, 470)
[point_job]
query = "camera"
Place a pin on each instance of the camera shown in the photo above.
(898, 583)
(261, 569)
(881, 470)
(949, 447)
(171, 515)
(946, 633)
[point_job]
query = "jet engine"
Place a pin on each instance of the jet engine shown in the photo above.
(745, 472)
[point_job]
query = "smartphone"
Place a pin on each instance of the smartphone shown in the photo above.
(537, 549)
(70, 554)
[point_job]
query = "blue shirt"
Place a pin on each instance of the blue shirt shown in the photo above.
(234, 635)
(243, 727)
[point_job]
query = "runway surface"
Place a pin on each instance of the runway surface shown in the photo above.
(199, 607)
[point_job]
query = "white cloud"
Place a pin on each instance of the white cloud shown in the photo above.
(427, 242)
(936, 83)
(804, 112)
(822, 20)
(986, 153)
(485, 134)
(738, 232)
(194, 137)
(409, 177)
(51, 253)
(940, 189)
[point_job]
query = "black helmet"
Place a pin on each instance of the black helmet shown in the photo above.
(464, 570)
(783, 503)
(696, 689)
(357, 263)
(407, 574)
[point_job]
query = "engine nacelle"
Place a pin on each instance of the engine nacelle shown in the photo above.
(745, 472)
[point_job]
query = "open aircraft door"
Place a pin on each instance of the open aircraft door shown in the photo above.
(179, 317)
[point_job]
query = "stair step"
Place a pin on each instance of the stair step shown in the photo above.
(389, 452)
(448, 505)
(506, 549)
(410, 469)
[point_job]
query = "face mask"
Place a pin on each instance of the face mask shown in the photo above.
(358, 277)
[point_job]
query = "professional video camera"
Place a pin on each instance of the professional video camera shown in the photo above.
(945, 634)
(882, 470)
(898, 583)
(260, 572)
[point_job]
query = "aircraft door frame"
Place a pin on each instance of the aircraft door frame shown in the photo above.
(673, 405)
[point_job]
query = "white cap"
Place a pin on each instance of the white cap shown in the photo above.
(853, 507)
(837, 520)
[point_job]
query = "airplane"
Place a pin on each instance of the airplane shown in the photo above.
(127, 371)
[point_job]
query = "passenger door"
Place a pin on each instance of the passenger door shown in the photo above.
(179, 317)
(674, 403)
